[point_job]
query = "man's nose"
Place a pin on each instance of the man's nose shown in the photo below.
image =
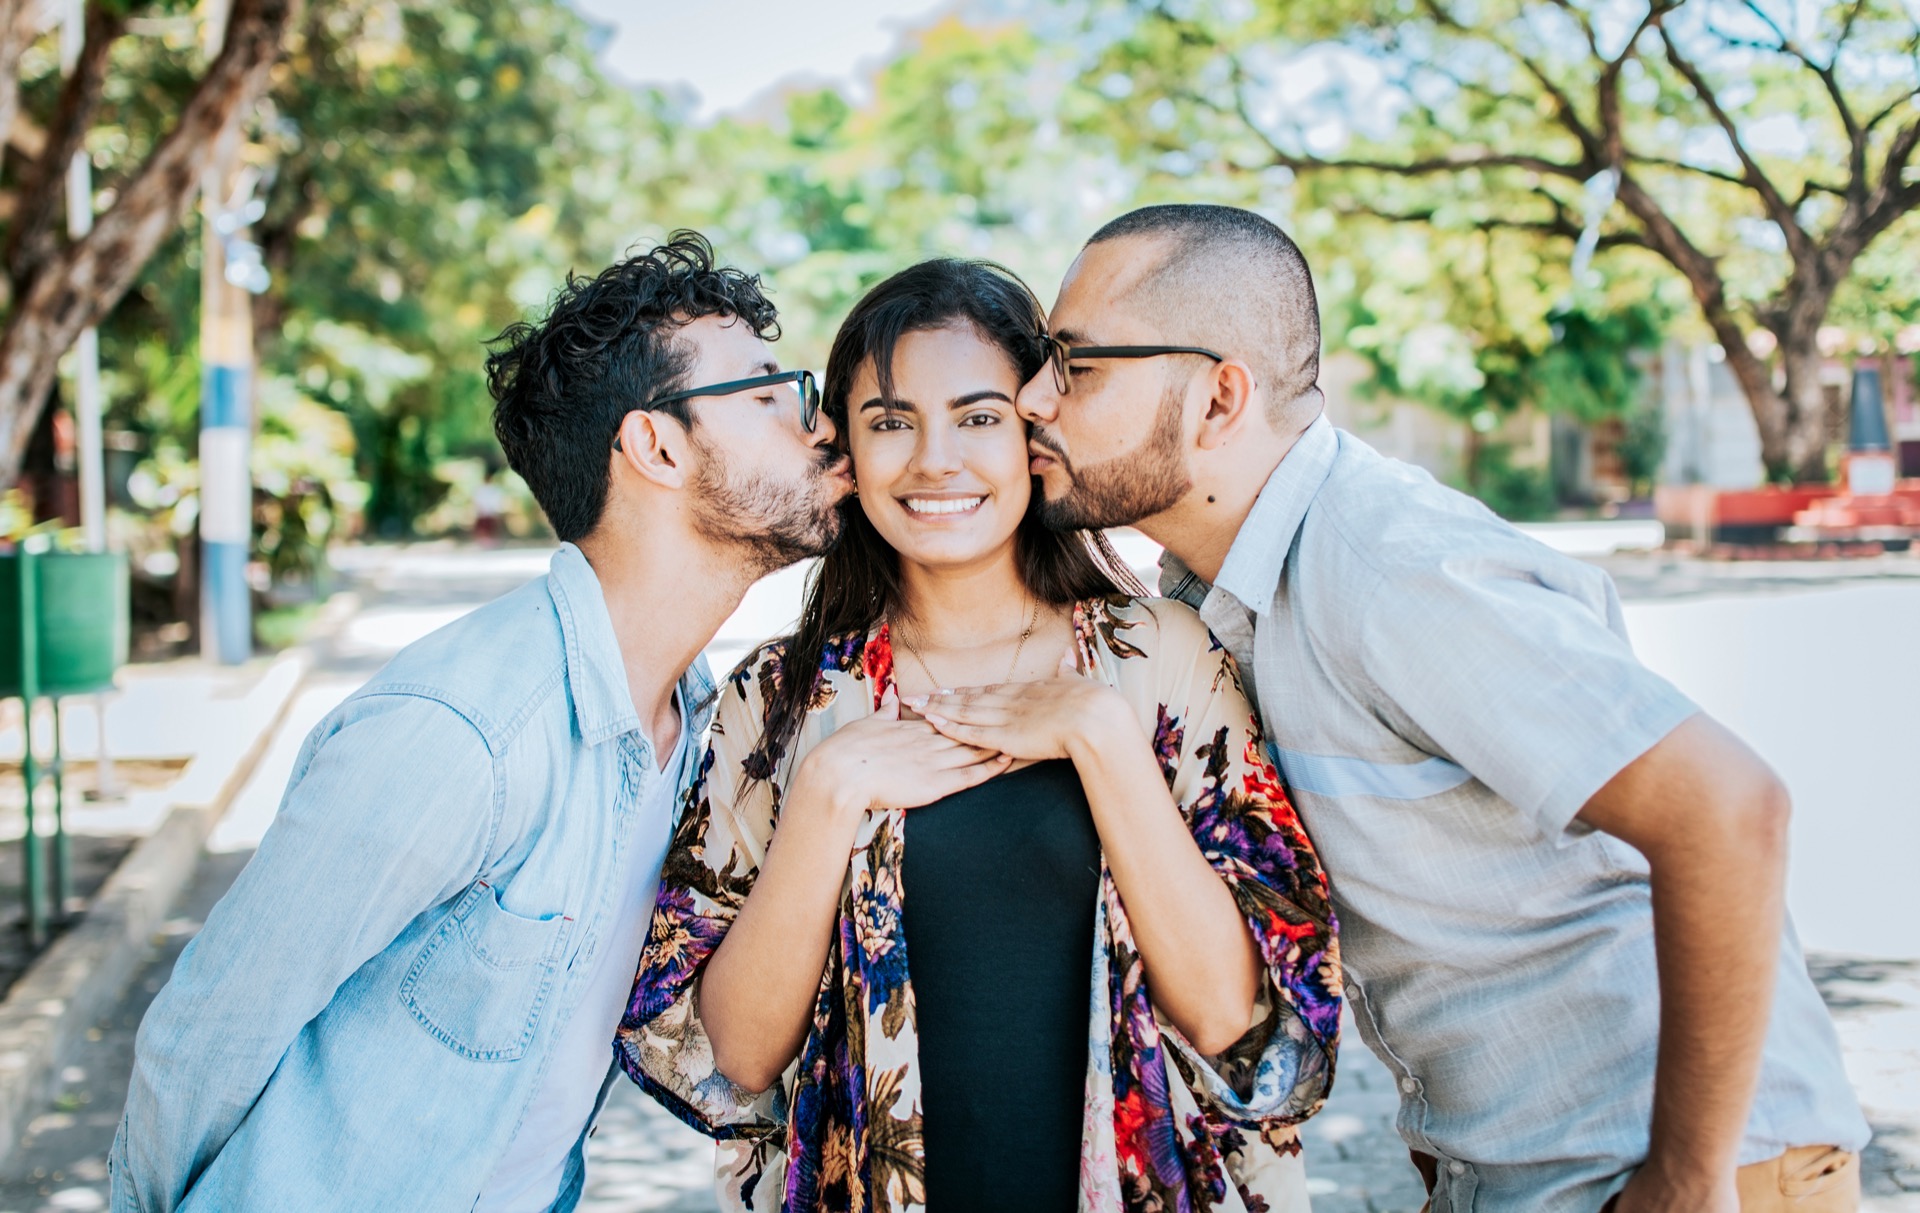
(1038, 400)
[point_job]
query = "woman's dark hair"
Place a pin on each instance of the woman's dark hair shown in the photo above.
(606, 346)
(858, 582)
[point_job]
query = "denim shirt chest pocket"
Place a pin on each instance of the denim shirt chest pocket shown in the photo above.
(483, 978)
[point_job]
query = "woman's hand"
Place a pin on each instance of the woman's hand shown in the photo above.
(1064, 716)
(884, 762)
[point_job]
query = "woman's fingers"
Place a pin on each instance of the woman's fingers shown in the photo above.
(945, 751)
(978, 736)
(973, 774)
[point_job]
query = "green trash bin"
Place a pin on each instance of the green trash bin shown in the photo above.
(78, 628)
(82, 621)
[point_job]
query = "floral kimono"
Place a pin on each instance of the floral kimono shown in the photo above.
(1165, 1128)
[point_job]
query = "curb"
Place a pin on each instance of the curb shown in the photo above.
(79, 978)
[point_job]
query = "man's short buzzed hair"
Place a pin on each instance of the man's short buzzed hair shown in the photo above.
(1232, 281)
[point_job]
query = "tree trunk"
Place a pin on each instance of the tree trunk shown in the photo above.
(81, 284)
(1804, 454)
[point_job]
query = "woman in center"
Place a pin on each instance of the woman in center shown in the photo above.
(1087, 962)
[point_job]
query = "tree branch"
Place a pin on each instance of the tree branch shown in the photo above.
(1302, 162)
(81, 283)
(1565, 110)
(1753, 175)
(1829, 77)
(17, 20)
(1681, 166)
(43, 186)
(1892, 108)
(1560, 226)
(1612, 130)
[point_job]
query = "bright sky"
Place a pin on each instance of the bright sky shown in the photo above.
(731, 52)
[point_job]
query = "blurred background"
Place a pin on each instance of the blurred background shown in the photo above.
(1643, 277)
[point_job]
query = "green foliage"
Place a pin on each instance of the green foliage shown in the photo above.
(1516, 493)
(1642, 447)
(433, 171)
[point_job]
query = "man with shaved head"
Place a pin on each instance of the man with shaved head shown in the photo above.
(1560, 885)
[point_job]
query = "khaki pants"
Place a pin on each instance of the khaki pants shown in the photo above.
(1810, 1179)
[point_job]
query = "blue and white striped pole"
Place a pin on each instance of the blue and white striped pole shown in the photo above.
(226, 427)
(226, 506)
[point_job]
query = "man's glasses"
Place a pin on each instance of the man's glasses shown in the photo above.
(1061, 356)
(803, 381)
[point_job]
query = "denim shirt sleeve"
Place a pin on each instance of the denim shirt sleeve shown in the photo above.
(390, 812)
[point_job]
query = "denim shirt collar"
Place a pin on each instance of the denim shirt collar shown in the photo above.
(1251, 571)
(596, 671)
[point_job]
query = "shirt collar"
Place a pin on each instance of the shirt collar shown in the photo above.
(596, 671)
(1251, 572)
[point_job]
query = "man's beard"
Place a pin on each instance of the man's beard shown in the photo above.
(1123, 490)
(772, 523)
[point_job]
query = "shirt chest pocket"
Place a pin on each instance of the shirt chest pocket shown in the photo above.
(483, 978)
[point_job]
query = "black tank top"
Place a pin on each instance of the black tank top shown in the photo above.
(1000, 883)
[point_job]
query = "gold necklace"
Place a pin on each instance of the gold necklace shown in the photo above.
(1033, 618)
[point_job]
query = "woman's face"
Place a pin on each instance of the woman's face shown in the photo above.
(942, 474)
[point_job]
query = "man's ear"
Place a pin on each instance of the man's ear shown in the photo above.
(654, 447)
(1233, 403)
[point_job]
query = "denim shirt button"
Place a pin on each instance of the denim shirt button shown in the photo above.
(1456, 1167)
(1353, 993)
(1410, 1084)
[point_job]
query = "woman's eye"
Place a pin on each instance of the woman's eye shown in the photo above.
(887, 425)
(979, 420)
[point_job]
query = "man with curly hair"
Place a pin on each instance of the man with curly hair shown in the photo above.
(407, 999)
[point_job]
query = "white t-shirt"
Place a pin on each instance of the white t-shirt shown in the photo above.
(527, 1178)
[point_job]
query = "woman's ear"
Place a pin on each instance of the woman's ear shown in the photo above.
(1233, 402)
(653, 446)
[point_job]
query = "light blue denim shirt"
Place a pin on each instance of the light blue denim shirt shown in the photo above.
(1443, 696)
(367, 1014)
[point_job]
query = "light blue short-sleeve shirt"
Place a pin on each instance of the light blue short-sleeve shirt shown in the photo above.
(1443, 695)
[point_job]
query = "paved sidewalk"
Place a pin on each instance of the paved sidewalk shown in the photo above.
(642, 1158)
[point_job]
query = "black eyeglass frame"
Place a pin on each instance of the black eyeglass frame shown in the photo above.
(1059, 355)
(806, 384)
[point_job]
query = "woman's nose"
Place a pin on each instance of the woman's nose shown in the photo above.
(936, 453)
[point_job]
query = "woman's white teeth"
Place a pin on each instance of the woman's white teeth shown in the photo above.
(942, 505)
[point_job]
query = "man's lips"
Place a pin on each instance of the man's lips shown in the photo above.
(1041, 457)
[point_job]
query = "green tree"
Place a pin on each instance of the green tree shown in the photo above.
(57, 287)
(1757, 150)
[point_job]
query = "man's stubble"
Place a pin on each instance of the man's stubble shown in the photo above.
(1121, 491)
(773, 524)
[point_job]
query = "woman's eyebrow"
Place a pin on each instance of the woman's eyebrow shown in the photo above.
(898, 406)
(960, 402)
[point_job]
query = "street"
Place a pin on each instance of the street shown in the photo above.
(1810, 674)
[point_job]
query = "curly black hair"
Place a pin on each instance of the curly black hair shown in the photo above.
(606, 346)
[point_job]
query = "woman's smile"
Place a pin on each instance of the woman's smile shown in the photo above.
(928, 506)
